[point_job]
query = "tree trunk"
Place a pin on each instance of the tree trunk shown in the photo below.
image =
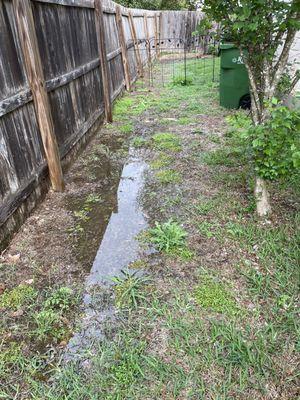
(259, 114)
(263, 207)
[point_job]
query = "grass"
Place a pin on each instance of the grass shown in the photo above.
(166, 141)
(218, 319)
(31, 319)
(17, 297)
(207, 229)
(181, 81)
(139, 142)
(126, 129)
(122, 107)
(185, 120)
(214, 296)
(161, 161)
(168, 176)
(127, 107)
(204, 206)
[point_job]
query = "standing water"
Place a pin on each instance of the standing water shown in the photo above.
(119, 248)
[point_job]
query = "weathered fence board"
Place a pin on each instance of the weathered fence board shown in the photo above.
(99, 22)
(34, 71)
(80, 54)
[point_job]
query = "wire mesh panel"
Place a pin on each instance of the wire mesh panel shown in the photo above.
(180, 61)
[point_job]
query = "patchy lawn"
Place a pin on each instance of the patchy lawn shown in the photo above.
(215, 314)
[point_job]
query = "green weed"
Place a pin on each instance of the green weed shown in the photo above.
(122, 107)
(93, 198)
(60, 299)
(139, 141)
(168, 236)
(17, 297)
(48, 324)
(214, 296)
(181, 81)
(207, 229)
(82, 215)
(166, 141)
(185, 120)
(163, 160)
(204, 207)
(126, 128)
(168, 176)
(128, 289)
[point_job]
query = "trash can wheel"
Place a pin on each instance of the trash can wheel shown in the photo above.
(245, 102)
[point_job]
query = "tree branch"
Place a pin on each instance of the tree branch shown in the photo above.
(253, 85)
(295, 79)
(282, 60)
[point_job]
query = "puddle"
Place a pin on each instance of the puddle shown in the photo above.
(119, 247)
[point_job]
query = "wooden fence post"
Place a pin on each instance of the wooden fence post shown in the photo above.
(136, 44)
(35, 76)
(121, 33)
(147, 38)
(156, 36)
(160, 30)
(99, 20)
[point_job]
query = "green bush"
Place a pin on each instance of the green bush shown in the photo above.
(274, 146)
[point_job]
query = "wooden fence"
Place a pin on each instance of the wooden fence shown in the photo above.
(62, 64)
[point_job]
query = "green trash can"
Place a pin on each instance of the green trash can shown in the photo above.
(234, 82)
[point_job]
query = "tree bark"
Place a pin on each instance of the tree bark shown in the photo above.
(263, 207)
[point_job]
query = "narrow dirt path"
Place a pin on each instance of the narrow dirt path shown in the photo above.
(213, 313)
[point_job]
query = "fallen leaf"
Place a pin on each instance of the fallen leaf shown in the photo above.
(29, 281)
(16, 314)
(13, 259)
(2, 288)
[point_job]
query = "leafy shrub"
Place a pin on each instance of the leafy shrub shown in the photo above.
(274, 145)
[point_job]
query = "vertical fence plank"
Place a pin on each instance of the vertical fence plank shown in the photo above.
(121, 33)
(156, 36)
(160, 30)
(35, 75)
(136, 44)
(99, 20)
(146, 28)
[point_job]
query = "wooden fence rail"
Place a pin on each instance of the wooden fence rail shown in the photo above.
(53, 55)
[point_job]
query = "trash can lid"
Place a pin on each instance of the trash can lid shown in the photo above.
(226, 46)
